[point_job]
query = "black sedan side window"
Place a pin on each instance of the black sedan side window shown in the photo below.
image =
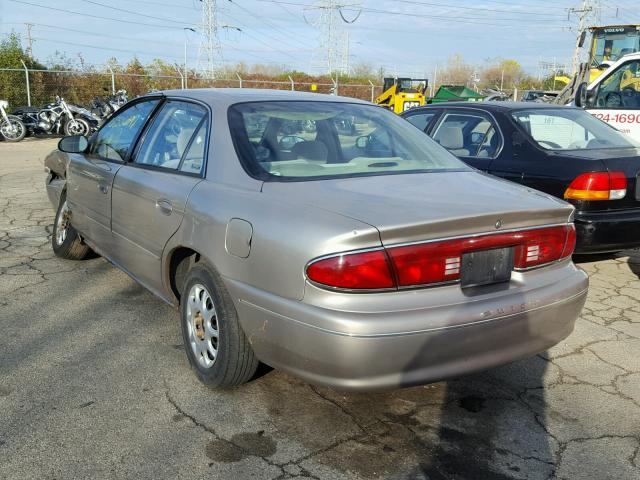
(113, 141)
(469, 135)
(421, 120)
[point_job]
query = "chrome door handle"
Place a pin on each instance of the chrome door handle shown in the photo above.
(164, 206)
(103, 188)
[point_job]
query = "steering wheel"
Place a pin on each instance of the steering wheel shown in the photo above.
(613, 100)
(551, 145)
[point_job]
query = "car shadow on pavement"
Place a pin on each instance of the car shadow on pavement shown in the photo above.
(490, 430)
(634, 262)
(489, 425)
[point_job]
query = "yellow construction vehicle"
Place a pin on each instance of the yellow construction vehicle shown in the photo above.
(608, 44)
(401, 94)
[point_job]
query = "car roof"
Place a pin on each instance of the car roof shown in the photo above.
(230, 96)
(492, 106)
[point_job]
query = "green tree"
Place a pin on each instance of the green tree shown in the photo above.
(12, 82)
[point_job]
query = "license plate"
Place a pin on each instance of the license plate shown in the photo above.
(485, 267)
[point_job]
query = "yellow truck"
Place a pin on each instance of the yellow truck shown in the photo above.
(608, 44)
(402, 94)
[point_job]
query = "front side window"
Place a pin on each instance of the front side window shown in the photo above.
(621, 89)
(167, 139)
(569, 129)
(113, 141)
(295, 140)
(611, 44)
(468, 135)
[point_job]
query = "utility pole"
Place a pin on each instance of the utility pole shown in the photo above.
(29, 40)
(589, 10)
(210, 54)
(186, 72)
(333, 52)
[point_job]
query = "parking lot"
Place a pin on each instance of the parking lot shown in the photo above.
(94, 382)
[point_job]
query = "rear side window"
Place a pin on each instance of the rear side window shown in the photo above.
(113, 141)
(168, 138)
(421, 120)
(469, 135)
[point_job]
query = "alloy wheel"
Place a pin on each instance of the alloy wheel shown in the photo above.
(62, 224)
(202, 325)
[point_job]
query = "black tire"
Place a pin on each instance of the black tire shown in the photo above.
(77, 126)
(19, 129)
(235, 362)
(70, 246)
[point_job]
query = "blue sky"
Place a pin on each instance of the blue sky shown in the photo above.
(405, 37)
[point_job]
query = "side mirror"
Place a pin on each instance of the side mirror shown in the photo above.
(581, 95)
(362, 142)
(73, 144)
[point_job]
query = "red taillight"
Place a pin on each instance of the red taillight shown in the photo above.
(543, 246)
(426, 263)
(570, 245)
(598, 186)
(354, 271)
(438, 262)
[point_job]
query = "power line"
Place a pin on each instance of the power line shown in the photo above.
(137, 13)
(97, 47)
(120, 20)
(476, 9)
(288, 36)
(456, 18)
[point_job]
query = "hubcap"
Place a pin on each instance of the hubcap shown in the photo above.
(62, 224)
(202, 325)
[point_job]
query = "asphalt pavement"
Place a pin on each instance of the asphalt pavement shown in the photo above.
(94, 383)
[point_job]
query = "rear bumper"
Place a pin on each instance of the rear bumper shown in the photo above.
(337, 348)
(601, 232)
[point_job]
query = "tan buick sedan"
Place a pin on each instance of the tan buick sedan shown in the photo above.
(321, 235)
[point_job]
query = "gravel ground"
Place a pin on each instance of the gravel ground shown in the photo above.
(94, 383)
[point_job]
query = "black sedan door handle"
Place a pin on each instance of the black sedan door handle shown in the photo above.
(164, 206)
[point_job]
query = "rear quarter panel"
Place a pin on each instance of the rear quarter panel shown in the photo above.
(286, 236)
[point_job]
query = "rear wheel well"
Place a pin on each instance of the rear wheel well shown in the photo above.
(182, 259)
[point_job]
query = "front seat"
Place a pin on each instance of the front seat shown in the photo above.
(451, 138)
(311, 150)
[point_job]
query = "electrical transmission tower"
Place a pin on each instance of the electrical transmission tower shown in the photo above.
(210, 53)
(333, 53)
(588, 14)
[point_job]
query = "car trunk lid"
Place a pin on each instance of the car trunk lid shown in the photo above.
(417, 207)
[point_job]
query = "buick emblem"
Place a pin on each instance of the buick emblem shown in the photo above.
(498, 224)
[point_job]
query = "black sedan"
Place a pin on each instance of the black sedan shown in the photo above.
(562, 151)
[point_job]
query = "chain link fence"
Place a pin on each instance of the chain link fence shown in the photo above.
(38, 87)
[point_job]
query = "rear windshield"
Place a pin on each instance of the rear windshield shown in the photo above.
(303, 140)
(570, 129)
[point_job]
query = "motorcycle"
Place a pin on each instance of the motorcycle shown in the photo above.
(58, 118)
(11, 127)
(104, 108)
